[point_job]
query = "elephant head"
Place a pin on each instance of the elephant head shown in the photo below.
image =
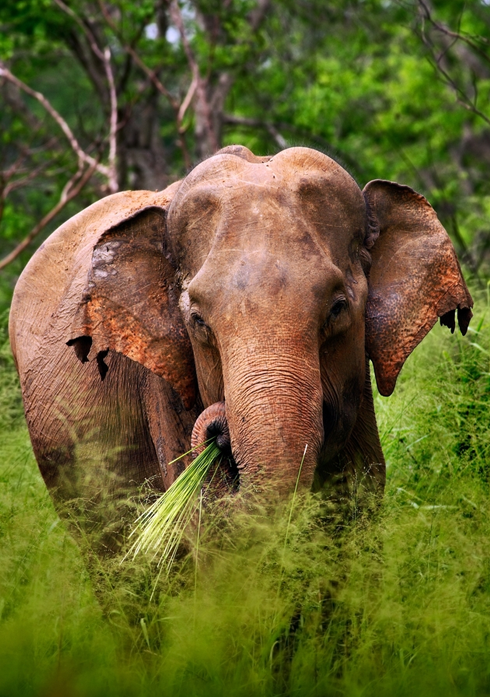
(261, 290)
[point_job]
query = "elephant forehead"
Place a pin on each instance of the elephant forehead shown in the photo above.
(303, 215)
(288, 163)
(301, 172)
(260, 275)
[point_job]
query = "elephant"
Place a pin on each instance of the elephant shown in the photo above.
(244, 301)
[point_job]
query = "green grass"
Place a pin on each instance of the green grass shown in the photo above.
(159, 530)
(273, 603)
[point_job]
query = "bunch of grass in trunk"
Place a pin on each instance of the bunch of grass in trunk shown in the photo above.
(160, 528)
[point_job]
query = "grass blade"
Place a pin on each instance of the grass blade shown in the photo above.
(160, 528)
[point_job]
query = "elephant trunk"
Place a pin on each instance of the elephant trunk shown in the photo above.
(274, 410)
(211, 423)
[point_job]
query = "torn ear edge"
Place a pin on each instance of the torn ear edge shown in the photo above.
(415, 278)
(129, 303)
(464, 316)
(82, 346)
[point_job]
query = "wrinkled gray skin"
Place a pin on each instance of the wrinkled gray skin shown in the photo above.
(263, 283)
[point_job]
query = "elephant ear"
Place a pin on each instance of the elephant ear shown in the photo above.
(415, 278)
(130, 305)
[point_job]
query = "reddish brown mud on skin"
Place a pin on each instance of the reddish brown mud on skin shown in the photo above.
(259, 250)
(52, 284)
(131, 306)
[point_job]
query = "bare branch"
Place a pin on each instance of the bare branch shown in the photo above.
(468, 39)
(185, 104)
(85, 29)
(139, 62)
(91, 66)
(12, 179)
(257, 123)
(112, 176)
(450, 41)
(16, 166)
(160, 87)
(83, 157)
(176, 16)
(105, 57)
(18, 183)
(72, 189)
(463, 98)
(201, 83)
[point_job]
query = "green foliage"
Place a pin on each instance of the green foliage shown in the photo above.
(355, 78)
(11, 411)
(274, 601)
(270, 602)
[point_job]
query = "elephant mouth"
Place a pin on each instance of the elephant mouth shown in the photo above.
(223, 479)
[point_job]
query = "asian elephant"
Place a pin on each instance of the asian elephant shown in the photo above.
(252, 294)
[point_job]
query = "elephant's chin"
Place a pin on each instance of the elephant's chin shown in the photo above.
(225, 478)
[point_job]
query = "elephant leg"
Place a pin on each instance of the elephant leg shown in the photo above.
(354, 479)
(170, 426)
(91, 440)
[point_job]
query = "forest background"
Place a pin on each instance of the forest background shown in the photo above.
(98, 97)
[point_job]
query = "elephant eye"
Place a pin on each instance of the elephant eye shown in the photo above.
(198, 320)
(337, 307)
(201, 330)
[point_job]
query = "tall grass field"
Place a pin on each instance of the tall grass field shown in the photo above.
(274, 603)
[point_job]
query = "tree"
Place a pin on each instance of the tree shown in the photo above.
(98, 96)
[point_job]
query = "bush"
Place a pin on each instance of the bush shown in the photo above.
(276, 604)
